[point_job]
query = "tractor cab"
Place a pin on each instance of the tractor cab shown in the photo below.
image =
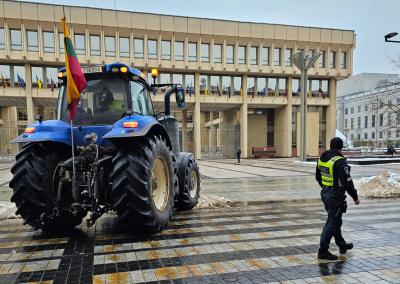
(111, 91)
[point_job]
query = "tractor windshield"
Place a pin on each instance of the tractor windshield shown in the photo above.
(105, 100)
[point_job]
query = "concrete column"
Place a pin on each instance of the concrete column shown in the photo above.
(331, 112)
(184, 130)
(28, 92)
(9, 130)
(283, 126)
(243, 118)
(196, 117)
(227, 128)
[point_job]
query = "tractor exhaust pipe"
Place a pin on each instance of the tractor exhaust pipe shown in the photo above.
(167, 100)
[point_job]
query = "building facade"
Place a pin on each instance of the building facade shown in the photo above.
(242, 89)
(371, 117)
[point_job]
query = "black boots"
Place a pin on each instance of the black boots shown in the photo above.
(327, 255)
(345, 248)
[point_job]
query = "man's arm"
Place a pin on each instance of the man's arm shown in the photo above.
(318, 176)
(344, 177)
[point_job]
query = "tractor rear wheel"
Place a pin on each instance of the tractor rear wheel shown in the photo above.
(144, 184)
(189, 182)
(32, 185)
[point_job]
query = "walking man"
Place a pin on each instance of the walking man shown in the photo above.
(333, 175)
(238, 153)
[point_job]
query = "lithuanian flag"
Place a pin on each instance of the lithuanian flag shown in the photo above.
(76, 81)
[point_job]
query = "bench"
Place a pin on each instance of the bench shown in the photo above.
(263, 152)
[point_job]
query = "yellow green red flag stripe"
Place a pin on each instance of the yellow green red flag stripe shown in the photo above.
(76, 81)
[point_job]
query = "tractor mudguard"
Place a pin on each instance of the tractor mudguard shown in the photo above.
(145, 125)
(50, 130)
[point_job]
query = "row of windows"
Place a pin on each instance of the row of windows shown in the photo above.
(93, 41)
(377, 105)
(390, 118)
(14, 76)
(389, 134)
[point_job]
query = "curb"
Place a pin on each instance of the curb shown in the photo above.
(262, 202)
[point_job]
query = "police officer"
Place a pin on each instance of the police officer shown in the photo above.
(333, 175)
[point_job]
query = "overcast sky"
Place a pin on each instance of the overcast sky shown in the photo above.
(370, 19)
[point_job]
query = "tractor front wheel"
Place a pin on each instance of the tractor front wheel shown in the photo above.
(144, 184)
(189, 182)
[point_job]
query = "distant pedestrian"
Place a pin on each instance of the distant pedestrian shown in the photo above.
(390, 150)
(238, 153)
(333, 175)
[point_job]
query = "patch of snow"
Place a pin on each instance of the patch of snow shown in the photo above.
(213, 201)
(383, 186)
(7, 210)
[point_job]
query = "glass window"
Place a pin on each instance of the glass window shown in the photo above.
(345, 111)
(229, 54)
(272, 86)
(296, 87)
(51, 77)
(48, 41)
(19, 76)
(282, 87)
(192, 51)
(288, 54)
(95, 45)
(254, 55)
(242, 55)
(205, 52)
(124, 47)
(5, 72)
(32, 40)
(164, 78)
(261, 85)
(373, 120)
(61, 42)
(315, 88)
(366, 108)
(139, 49)
(343, 63)
(16, 40)
(277, 57)
(352, 123)
(381, 119)
(265, 56)
(189, 83)
(321, 59)
(177, 79)
(345, 122)
(237, 86)
(166, 50)
(110, 45)
(179, 54)
(152, 48)
(324, 88)
(352, 110)
(251, 88)
(332, 60)
(366, 122)
(215, 85)
(203, 84)
(22, 114)
(80, 44)
(217, 53)
(2, 39)
(226, 85)
(359, 108)
(37, 77)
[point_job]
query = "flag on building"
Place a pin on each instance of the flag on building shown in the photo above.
(229, 91)
(241, 92)
(3, 80)
(218, 90)
(76, 81)
(52, 85)
(39, 82)
(21, 82)
(190, 90)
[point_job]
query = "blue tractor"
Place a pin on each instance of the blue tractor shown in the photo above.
(124, 157)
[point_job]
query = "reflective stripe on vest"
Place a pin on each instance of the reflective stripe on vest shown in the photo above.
(326, 170)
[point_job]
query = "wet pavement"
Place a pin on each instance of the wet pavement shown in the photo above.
(260, 243)
(249, 244)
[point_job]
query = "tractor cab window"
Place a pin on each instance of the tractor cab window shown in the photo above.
(105, 100)
(141, 102)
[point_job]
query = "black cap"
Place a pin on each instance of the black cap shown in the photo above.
(336, 143)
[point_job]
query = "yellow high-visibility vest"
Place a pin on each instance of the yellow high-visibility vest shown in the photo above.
(326, 169)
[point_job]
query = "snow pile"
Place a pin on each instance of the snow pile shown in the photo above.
(7, 210)
(382, 186)
(213, 201)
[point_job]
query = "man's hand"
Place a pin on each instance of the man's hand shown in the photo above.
(356, 202)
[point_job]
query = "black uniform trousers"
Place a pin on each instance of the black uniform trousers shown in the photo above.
(335, 206)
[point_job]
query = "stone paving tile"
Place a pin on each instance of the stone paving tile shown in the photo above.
(254, 244)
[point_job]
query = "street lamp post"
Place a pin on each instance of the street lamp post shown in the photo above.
(304, 62)
(390, 35)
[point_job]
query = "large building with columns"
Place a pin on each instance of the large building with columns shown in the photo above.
(242, 90)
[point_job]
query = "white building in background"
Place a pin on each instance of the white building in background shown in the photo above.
(368, 111)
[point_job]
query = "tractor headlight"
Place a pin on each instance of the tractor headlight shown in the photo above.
(130, 124)
(29, 130)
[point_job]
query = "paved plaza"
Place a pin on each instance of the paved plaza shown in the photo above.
(262, 242)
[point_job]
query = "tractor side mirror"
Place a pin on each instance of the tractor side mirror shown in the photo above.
(180, 97)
